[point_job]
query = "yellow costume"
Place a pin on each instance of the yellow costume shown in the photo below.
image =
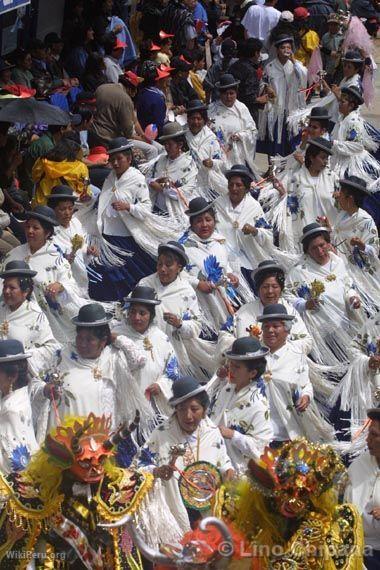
(197, 84)
(46, 174)
(309, 42)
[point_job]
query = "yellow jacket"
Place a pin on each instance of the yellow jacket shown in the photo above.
(309, 42)
(46, 174)
(197, 84)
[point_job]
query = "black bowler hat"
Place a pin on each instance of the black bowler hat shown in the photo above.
(143, 295)
(198, 206)
(176, 247)
(247, 348)
(374, 414)
(196, 105)
(283, 38)
(17, 269)
(265, 267)
(62, 192)
(227, 80)
(319, 114)
(43, 213)
(119, 144)
(12, 350)
(239, 170)
(92, 315)
(171, 131)
(354, 183)
(311, 229)
(354, 92)
(185, 388)
(354, 56)
(323, 144)
(275, 312)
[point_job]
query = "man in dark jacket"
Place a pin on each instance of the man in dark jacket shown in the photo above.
(180, 88)
(247, 69)
(177, 19)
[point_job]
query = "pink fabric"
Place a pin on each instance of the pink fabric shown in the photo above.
(368, 87)
(357, 37)
(315, 65)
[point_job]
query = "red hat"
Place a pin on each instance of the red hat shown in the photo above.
(161, 74)
(301, 13)
(133, 78)
(97, 153)
(154, 47)
(163, 35)
(166, 68)
(182, 58)
(119, 44)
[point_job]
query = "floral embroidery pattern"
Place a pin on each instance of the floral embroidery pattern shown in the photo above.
(213, 270)
(293, 204)
(172, 368)
(20, 458)
(227, 326)
(262, 223)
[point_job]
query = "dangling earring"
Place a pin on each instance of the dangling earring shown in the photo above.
(10, 389)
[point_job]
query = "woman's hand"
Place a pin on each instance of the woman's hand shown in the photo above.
(206, 286)
(208, 163)
(312, 304)
(375, 513)
(54, 289)
(93, 250)
(165, 472)
(226, 432)
(70, 257)
(278, 185)
(222, 372)
(153, 390)
(156, 186)
(303, 403)
(325, 222)
(120, 205)
(235, 137)
(262, 99)
(233, 279)
(335, 89)
(53, 391)
(355, 241)
(247, 230)
(173, 320)
(355, 302)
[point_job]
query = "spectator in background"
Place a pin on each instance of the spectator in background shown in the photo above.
(198, 62)
(319, 11)
(113, 48)
(39, 66)
(177, 18)
(55, 46)
(151, 104)
(308, 39)
(217, 69)
(82, 45)
(22, 74)
(5, 73)
(247, 69)
(259, 21)
(331, 44)
(180, 88)
(151, 13)
(165, 53)
(94, 72)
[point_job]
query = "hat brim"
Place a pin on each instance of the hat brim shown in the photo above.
(248, 356)
(195, 109)
(18, 273)
(266, 268)
(174, 401)
(98, 323)
(320, 117)
(353, 186)
(34, 215)
(62, 197)
(14, 357)
(353, 59)
(130, 301)
(348, 91)
(173, 136)
(201, 211)
(289, 39)
(314, 231)
(319, 145)
(162, 248)
(120, 149)
(224, 87)
(275, 317)
(231, 173)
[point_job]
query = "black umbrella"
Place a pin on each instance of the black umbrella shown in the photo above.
(30, 111)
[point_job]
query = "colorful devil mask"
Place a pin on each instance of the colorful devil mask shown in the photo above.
(295, 473)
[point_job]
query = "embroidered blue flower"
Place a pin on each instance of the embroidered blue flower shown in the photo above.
(352, 135)
(20, 458)
(73, 356)
(220, 136)
(304, 292)
(358, 257)
(172, 368)
(231, 292)
(147, 457)
(227, 326)
(186, 316)
(262, 223)
(183, 239)
(293, 204)
(238, 428)
(261, 386)
(58, 352)
(371, 348)
(189, 267)
(126, 451)
(302, 467)
(213, 270)
(295, 396)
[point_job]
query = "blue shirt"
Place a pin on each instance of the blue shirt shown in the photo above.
(151, 107)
